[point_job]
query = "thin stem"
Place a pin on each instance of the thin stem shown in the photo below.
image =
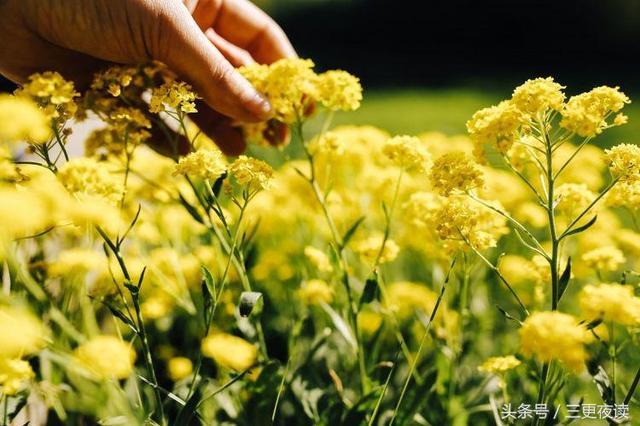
(353, 310)
(588, 208)
(514, 222)
(420, 348)
(632, 388)
(388, 216)
(496, 270)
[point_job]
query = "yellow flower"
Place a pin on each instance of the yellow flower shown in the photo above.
(114, 80)
(610, 302)
(624, 162)
(455, 172)
(318, 259)
(13, 375)
(628, 241)
(538, 95)
(329, 143)
(156, 306)
(369, 322)
(174, 95)
(604, 259)
(408, 153)
(518, 271)
(620, 119)
(21, 333)
(290, 85)
(106, 357)
(496, 125)
(624, 194)
(405, 297)
(499, 364)
(22, 120)
(585, 114)
(554, 335)
(78, 261)
(12, 211)
(573, 198)
(369, 248)
(459, 219)
(339, 90)
(179, 367)
(252, 173)
(229, 351)
(203, 164)
(90, 177)
(315, 292)
(52, 93)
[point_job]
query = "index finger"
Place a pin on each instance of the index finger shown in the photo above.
(245, 25)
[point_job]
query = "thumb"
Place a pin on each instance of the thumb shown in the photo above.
(181, 45)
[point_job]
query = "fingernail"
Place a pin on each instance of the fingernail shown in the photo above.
(256, 104)
(261, 107)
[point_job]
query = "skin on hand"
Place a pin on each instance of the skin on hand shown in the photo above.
(201, 40)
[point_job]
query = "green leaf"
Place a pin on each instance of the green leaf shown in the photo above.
(341, 326)
(208, 281)
(250, 302)
(583, 227)
(217, 186)
(564, 279)
(370, 292)
(121, 316)
(507, 315)
(351, 231)
(189, 410)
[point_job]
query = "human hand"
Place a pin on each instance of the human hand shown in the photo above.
(201, 40)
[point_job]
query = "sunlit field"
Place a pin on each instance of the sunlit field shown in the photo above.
(429, 257)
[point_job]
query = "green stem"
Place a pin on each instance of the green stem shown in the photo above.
(420, 348)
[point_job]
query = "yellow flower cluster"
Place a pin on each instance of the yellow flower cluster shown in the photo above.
(497, 126)
(318, 259)
(610, 302)
(604, 259)
(251, 173)
(22, 120)
(177, 96)
(293, 88)
(203, 164)
(52, 93)
(624, 162)
(21, 334)
(230, 351)
(315, 292)
(499, 364)
(106, 357)
(460, 221)
(370, 247)
(91, 177)
(573, 198)
(454, 172)
(339, 90)
(179, 367)
(13, 375)
(554, 335)
(408, 153)
(538, 95)
(586, 114)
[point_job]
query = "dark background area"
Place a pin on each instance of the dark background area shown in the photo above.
(491, 43)
(442, 43)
